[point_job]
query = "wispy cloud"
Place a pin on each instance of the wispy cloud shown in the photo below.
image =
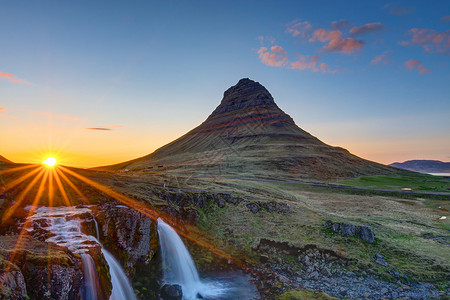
(341, 25)
(381, 59)
(445, 19)
(299, 28)
(8, 76)
(397, 10)
(430, 40)
(275, 57)
(416, 64)
(367, 28)
(99, 128)
(313, 63)
(266, 39)
(2, 109)
(336, 43)
(109, 128)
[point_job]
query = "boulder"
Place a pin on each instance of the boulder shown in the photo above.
(378, 258)
(367, 234)
(171, 292)
(254, 208)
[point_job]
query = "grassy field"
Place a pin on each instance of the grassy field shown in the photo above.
(415, 182)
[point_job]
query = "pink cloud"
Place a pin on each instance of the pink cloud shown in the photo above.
(335, 41)
(341, 25)
(445, 19)
(430, 40)
(275, 57)
(9, 77)
(411, 64)
(299, 28)
(380, 59)
(2, 109)
(311, 63)
(367, 28)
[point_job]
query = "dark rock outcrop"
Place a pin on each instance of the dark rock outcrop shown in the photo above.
(130, 231)
(171, 292)
(13, 286)
(365, 233)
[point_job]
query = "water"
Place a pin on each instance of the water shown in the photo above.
(121, 286)
(179, 268)
(440, 174)
(91, 284)
(65, 225)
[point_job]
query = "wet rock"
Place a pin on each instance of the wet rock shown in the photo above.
(171, 292)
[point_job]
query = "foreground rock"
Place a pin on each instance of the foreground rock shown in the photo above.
(318, 269)
(171, 292)
(39, 270)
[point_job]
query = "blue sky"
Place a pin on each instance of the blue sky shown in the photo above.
(149, 71)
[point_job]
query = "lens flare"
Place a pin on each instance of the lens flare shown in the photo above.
(49, 161)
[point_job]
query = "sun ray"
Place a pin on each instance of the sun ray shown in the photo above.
(201, 240)
(16, 169)
(21, 197)
(50, 189)
(61, 188)
(21, 179)
(70, 183)
(25, 226)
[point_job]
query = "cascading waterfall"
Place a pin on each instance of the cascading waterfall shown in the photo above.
(65, 225)
(121, 286)
(91, 283)
(178, 266)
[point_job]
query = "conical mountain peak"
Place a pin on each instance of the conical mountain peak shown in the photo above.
(249, 135)
(246, 93)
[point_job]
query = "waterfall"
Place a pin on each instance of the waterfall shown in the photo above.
(121, 286)
(178, 266)
(91, 283)
(65, 225)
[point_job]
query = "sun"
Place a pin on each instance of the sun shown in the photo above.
(49, 161)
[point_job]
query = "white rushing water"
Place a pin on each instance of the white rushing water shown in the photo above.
(121, 286)
(65, 225)
(179, 268)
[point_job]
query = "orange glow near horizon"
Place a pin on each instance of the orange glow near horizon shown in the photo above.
(60, 179)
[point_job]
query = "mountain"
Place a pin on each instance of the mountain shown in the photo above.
(249, 135)
(4, 160)
(423, 165)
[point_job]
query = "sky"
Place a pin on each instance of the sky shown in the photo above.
(101, 82)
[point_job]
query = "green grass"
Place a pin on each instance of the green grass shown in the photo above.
(415, 182)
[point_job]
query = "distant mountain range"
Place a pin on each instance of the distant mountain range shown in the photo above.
(249, 135)
(423, 165)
